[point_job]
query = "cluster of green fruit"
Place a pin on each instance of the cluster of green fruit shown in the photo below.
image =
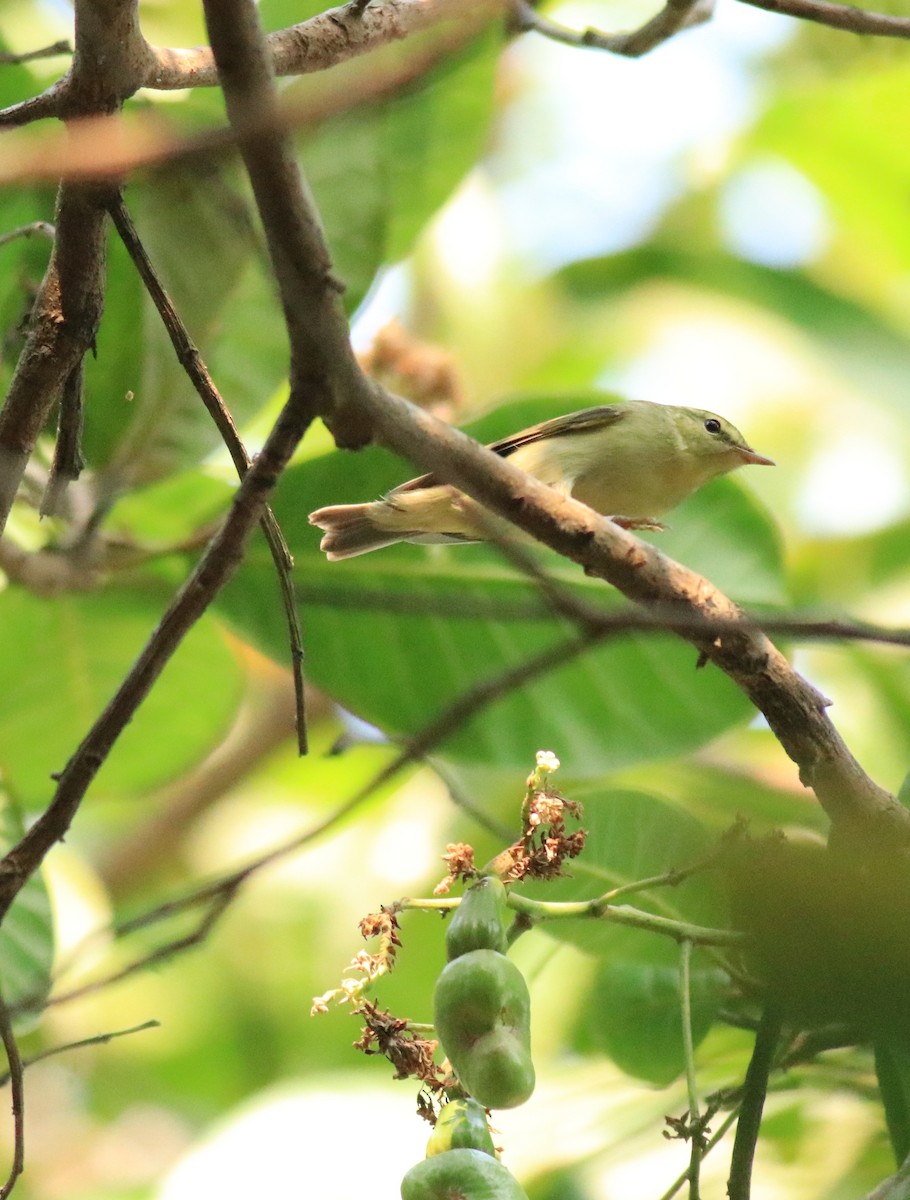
(483, 1019)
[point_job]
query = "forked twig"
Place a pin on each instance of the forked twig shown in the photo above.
(675, 16)
(14, 1061)
(191, 360)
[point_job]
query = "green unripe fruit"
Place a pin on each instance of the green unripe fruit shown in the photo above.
(483, 1019)
(461, 1125)
(479, 921)
(461, 1175)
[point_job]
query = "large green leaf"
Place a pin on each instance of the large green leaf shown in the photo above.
(381, 171)
(634, 836)
(847, 134)
(27, 932)
(144, 419)
(399, 635)
(632, 1010)
(61, 660)
(865, 345)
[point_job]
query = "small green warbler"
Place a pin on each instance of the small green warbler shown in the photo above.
(630, 461)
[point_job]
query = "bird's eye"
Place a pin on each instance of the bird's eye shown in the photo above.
(712, 425)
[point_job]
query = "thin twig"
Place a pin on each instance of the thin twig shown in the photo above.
(68, 461)
(61, 47)
(839, 16)
(895, 1187)
(14, 1061)
(265, 721)
(192, 362)
(98, 1039)
(559, 598)
(674, 17)
(36, 108)
(696, 1136)
(682, 1180)
(221, 559)
(44, 228)
(219, 901)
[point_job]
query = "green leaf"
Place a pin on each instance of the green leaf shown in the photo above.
(170, 510)
(379, 173)
(864, 345)
(633, 1011)
(397, 636)
(844, 570)
(344, 164)
(634, 836)
(892, 1067)
(434, 136)
(79, 647)
(191, 223)
(27, 932)
(857, 118)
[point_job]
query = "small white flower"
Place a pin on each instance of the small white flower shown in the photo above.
(547, 761)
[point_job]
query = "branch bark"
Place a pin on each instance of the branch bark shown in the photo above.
(64, 322)
(332, 37)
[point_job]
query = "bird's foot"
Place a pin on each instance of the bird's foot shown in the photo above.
(638, 523)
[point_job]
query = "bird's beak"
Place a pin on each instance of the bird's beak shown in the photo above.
(750, 456)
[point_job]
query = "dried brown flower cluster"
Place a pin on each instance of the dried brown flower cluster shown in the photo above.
(408, 1052)
(422, 372)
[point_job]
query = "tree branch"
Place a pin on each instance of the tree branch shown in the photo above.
(895, 1187)
(63, 325)
(322, 361)
(320, 352)
(61, 47)
(14, 1062)
(839, 16)
(795, 711)
(331, 37)
(755, 1090)
(675, 16)
(685, 14)
(191, 360)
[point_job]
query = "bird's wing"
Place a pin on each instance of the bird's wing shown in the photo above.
(586, 420)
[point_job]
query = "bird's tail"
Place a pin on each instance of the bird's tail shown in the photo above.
(350, 530)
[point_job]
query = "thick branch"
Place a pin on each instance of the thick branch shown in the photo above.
(796, 713)
(330, 38)
(322, 362)
(113, 60)
(63, 325)
(859, 808)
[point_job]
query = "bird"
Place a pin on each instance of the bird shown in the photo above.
(631, 461)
